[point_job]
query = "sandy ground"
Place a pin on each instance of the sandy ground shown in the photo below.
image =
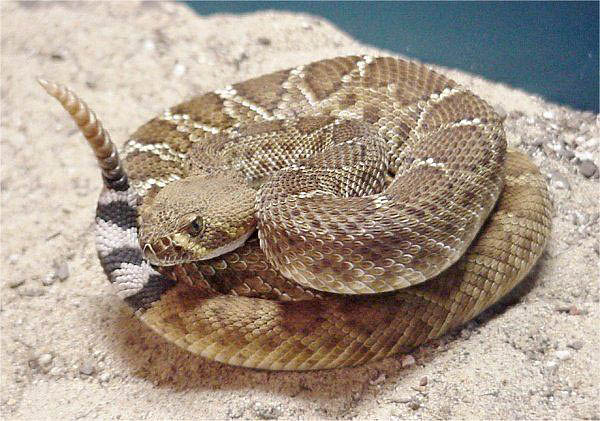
(70, 347)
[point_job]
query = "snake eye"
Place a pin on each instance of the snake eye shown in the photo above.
(196, 227)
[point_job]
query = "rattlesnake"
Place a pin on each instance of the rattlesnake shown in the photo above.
(366, 179)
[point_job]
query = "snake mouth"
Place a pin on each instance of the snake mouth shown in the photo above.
(165, 252)
(168, 251)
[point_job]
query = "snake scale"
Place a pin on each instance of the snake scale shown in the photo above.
(316, 217)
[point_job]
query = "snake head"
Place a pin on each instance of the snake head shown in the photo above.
(196, 218)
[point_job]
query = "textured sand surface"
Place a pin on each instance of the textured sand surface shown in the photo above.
(71, 349)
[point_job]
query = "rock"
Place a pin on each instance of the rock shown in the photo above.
(56, 372)
(402, 399)
(15, 283)
(378, 380)
(236, 412)
(179, 70)
(588, 169)
(559, 181)
(48, 280)
(407, 360)
(44, 360)
(414, 404)
(501, 111)
(264, 41)
(423, 381)
(62, 271)
(33, 292)
(576, 345)
(104, 377)
(266, 412)
(563, 355)
(548, 115)
(87, 368)
(568, 154)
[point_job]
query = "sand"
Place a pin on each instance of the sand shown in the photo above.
(72, 349)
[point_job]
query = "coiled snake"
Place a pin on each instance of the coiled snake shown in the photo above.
(316, 217)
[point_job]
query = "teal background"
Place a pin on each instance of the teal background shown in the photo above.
(547, 48)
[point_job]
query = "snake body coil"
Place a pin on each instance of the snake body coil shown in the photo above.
(387, 208)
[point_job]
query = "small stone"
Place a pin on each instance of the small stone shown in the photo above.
(577, 345)
(149, 45)
(87, 368)
(378, 380)
(264, 41)
(48, 280)
(236, 412)
(551, 364)
(568, 154)
(62, 271)
(580, 218)
(407, 360)
(403, 399)
(548, 115)
(104, 377)
(501, 111)
(423, 381)
(414, 404)
(179, 69)
(15, 283)
(56, 372)
(57, 56)
(588, 169)
(563, 355)
(559, 181)
(33, 292)
(266, 412)
(45, 360)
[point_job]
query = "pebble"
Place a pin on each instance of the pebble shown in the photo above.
(423, 381)
(33, 292)
(87, 368)
(56, 372)
(559, 181)
(266, 412)
(15, 283)
(264, 41)
(407, 360)
(577, 345)
(380, 379)
(551, 364)
(403, 399)
(588, 169)
(414, 404)
(563, 355)
(45, 360)
(149, 45)
(179, 69)
(104, 377)
(62, 271)
(48, 280)
(548, 115)
(568, 154)
(501, 111)
(580, 218)
(236, 412)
